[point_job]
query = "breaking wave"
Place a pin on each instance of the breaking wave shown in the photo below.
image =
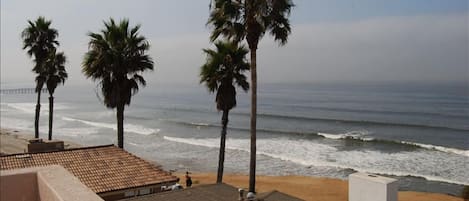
(429, 165)
(133, 128)
(353, 135)
(362, 137)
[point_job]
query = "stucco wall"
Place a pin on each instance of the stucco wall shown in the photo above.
(50, 183)
(367, 187)
(22, 186)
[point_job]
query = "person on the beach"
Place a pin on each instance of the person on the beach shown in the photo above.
(188, 180)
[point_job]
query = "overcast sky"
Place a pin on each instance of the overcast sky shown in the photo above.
(331, 40)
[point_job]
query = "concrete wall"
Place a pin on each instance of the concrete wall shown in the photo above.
(50, 183)
(44, 146)
(368, 187)
(117, 195)
(22, 186)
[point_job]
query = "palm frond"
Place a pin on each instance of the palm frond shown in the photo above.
(225, 65)
(250, 19)
(115, 57)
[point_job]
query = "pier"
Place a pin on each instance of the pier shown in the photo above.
(21, 91)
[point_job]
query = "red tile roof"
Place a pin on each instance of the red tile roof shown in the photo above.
(101, 168)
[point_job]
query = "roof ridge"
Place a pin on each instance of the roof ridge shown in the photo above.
(72, 149)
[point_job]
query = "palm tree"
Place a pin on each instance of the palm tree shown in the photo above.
(250, 20)
(116, 57)
(39, 39)
(224, 66)
(55, 74)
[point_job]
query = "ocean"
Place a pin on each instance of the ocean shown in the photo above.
(417, 133)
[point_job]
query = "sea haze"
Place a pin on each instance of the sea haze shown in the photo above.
(418, 133)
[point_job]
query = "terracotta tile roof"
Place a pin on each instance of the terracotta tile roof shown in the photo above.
(209, 192)
(101, 168)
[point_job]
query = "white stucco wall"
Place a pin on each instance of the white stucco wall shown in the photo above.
(368, 187)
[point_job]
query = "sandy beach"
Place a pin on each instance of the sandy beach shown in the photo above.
(16, 141)
(307, 188)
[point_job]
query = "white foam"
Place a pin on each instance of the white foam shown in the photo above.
(352, 134)
(17, 124)
(199, 124)
(133, 128)
(332, 136)
(75, 131)
(30, 108)
(439, 148)
(359, 136)
(436, 166)
(133, 144)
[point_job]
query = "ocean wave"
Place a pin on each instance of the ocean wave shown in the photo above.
(75, 131)
(16, 124)
(439, 148)
(30, 108)
(362, 122)
(208, 125)
(133, 128)
(384, 111)
(360, 136)
(334, 109)
(281, 116)
(352, 135)
(418, 164)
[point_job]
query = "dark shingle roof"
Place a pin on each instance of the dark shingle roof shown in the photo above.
(276, 196)
(101, 168)
(209, 192)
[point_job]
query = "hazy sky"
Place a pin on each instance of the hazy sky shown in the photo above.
(331, 40)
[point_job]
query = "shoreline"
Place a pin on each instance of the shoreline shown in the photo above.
(304, 187)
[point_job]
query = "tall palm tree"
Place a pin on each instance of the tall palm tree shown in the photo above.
(55, 74)
(224, 67)
(116, 56)
(39, 39)
(250, 20)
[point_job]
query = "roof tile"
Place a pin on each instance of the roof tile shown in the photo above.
(102, 168)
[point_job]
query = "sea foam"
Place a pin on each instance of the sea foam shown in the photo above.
(426, 164)
(361, 136)
(133, 128)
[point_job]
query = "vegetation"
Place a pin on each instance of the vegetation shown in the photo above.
(55, 74)
(116, 57)
(40, 41)
(250, 20)
(224, 67)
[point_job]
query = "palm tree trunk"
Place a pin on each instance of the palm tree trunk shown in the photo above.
(252, 163)
(120, 126)
(221, 158)
(51, 112)
(36, 118)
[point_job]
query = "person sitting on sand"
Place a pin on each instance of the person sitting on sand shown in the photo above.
(188, 180)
